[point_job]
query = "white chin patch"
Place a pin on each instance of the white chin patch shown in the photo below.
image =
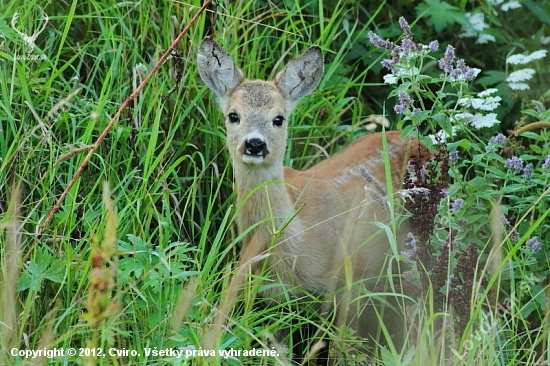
(252, 159)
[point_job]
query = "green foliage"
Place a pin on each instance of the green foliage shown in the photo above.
(42, 268)
(170, 176)
(440, 14)
(498, 196)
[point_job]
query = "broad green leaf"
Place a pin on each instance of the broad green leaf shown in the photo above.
(44, 268)
(440, 14)
(491, 77)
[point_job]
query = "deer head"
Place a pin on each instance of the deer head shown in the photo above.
(257, 111)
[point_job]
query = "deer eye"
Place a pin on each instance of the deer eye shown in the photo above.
(233, 117)
(278, 121)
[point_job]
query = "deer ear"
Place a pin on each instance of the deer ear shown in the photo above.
(301, 75)
(216, 68)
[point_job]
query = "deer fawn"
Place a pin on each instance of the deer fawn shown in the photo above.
(326, 227)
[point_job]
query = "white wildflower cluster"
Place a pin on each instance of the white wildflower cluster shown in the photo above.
(441, 136)
(504, 5)
(517, 79)
(484, 102)
(475, 28)
(478, 120)
(520, 59)
(390, 79)
(403, 71)
(473, 113)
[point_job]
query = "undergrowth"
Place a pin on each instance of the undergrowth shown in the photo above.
(132, 270)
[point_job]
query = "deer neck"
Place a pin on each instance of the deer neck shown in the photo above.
(261, 194)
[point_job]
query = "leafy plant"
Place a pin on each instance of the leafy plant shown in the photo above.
(483, 180)
(170, 176)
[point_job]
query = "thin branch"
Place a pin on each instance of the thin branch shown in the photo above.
(117, 114)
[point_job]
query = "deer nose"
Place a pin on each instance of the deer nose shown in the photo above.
(255, 147)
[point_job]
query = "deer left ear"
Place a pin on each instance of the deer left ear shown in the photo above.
(301, 75)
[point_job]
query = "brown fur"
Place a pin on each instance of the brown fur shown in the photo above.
(325, 217)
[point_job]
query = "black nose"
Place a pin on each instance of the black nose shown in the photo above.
(256, 147)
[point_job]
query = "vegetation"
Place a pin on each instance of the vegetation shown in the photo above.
(135, 262)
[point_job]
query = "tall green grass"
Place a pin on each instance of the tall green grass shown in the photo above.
(169, 180)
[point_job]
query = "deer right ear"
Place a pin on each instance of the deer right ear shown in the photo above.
(216, 68)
